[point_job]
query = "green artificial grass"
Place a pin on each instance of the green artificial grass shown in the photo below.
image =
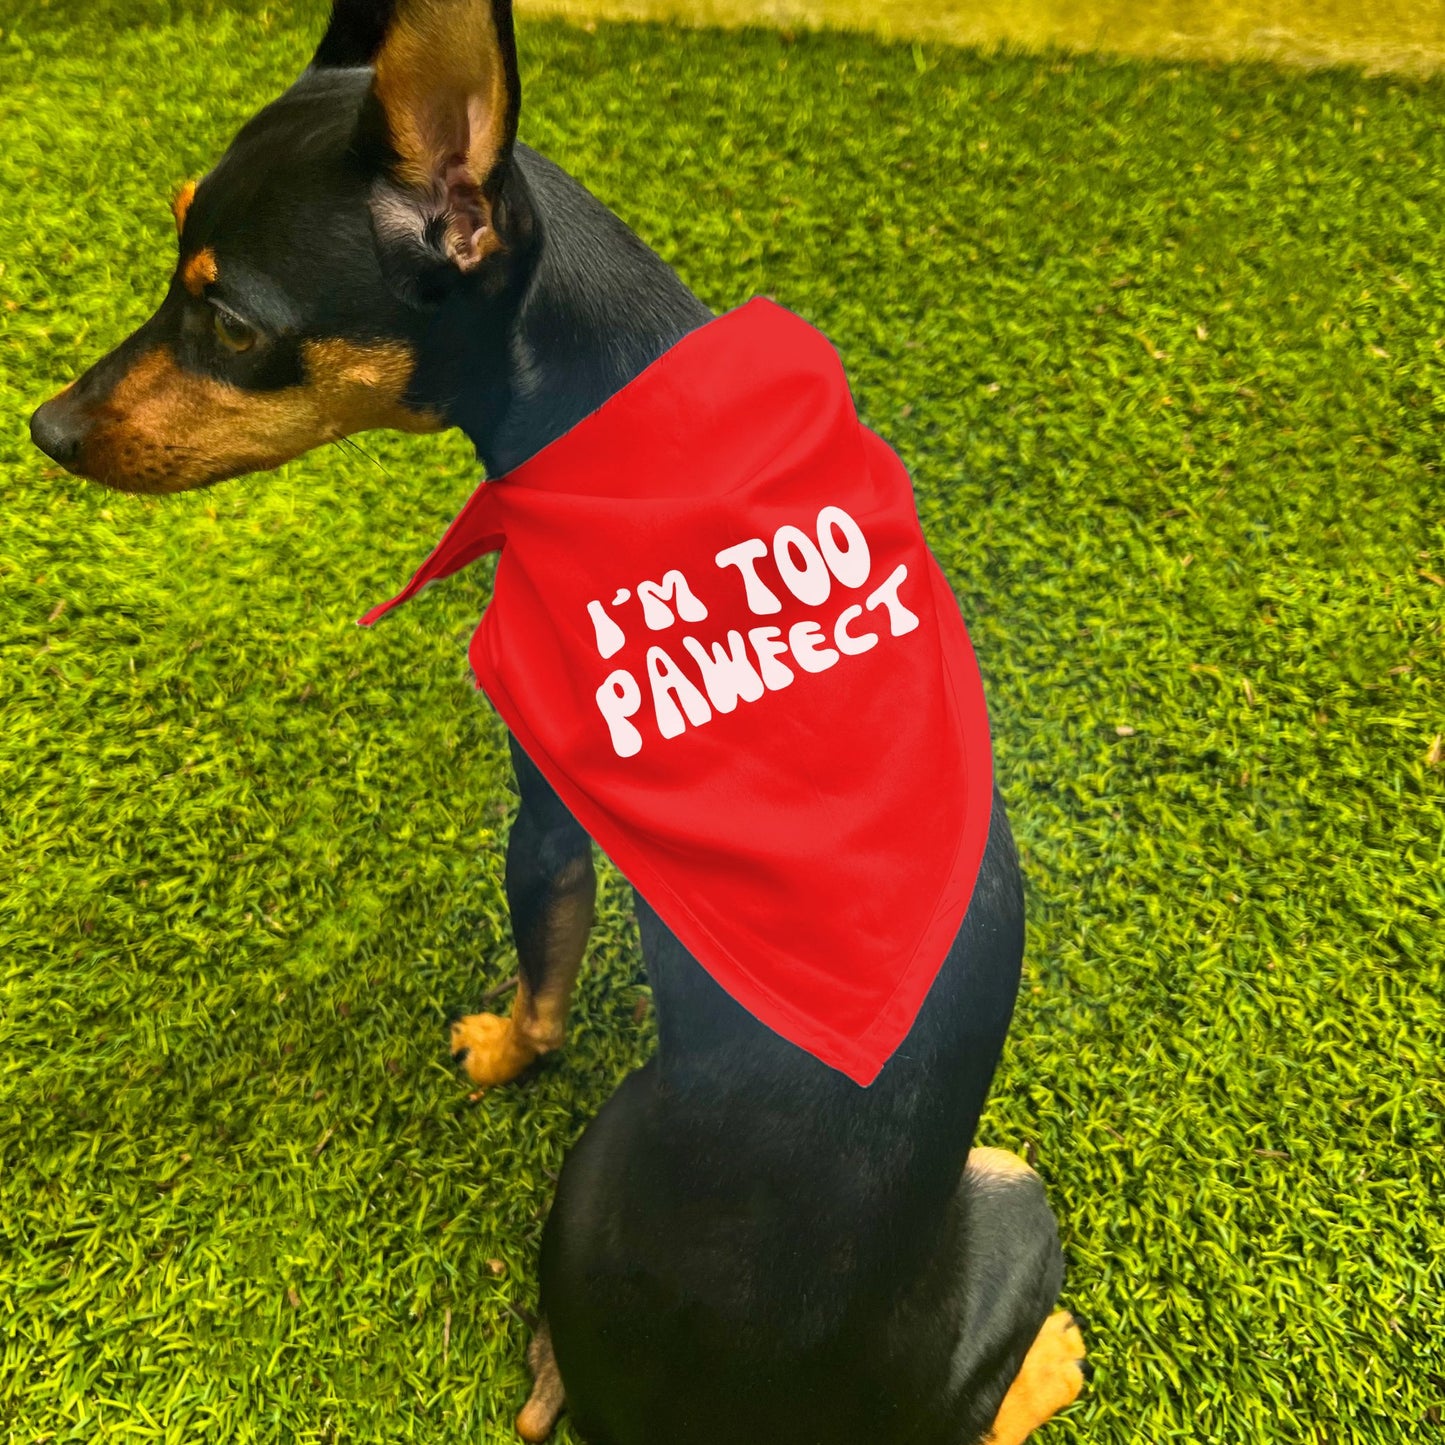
(1163, 348)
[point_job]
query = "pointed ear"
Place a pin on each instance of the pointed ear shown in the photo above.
(446, 83)
(353, 34)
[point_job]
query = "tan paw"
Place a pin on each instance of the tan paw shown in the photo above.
(1051, 1377)
(490, 1051)
(1057, 1360)
(539, 1416)
(536, 1423)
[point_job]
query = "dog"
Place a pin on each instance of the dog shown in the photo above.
(744, 1246)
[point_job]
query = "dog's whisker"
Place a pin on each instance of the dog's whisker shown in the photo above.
(357, 447)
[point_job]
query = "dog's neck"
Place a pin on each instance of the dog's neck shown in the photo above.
(598, 308)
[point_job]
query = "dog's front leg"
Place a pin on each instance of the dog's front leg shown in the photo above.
(551, 892)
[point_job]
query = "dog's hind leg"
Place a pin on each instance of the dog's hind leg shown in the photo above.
(551, 892)
(1019, 1359)
(1052, 1373)
(539, 1416)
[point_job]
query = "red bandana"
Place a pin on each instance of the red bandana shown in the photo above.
(718, 631)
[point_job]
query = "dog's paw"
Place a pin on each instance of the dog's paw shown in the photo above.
(539, 1416)
(489, 1049)
(1051, 1377)
(1057, 1360)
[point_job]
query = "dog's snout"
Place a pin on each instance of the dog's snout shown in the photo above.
(58, 428)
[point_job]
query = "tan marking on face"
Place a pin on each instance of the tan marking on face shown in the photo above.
(1049, 1379)
(199, 271)
(164, 429)
(182, 204)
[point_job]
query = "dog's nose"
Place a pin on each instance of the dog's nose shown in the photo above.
(58, 431)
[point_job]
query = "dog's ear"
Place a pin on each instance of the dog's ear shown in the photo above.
(446, 85)
(354, 33)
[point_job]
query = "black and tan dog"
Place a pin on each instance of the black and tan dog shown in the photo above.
(745, 1247)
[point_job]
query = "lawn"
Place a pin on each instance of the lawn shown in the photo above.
(1401, 36)
(1163, 347)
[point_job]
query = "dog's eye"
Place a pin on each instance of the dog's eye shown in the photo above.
(232, 332)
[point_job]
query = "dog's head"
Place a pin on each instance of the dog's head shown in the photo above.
(314, 256)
